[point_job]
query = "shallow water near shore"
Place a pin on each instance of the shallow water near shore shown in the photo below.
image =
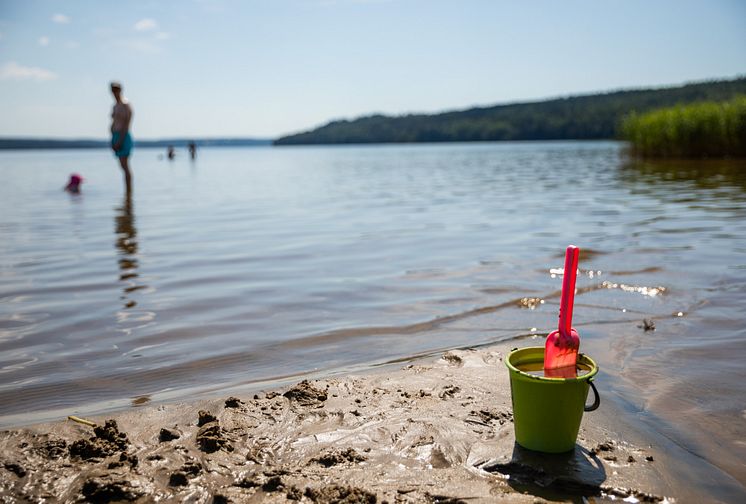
(254, 266)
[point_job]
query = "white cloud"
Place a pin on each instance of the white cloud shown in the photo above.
(146, 24)
(14, 71)
(43, 41)
(61, 19)
(162, 36)
(72, 44)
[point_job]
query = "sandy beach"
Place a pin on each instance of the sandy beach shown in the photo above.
(437, 430)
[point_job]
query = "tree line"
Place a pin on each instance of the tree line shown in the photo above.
(585, 117)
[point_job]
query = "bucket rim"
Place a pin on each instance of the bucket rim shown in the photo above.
(581, 358)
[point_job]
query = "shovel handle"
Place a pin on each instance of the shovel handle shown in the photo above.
(568, 290)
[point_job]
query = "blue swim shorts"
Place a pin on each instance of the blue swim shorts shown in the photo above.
(124, 151)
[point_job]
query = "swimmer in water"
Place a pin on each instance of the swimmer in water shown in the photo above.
(73, 186)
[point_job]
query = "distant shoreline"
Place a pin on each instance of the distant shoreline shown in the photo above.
(103, 144)
(48, 143)
(577, 117)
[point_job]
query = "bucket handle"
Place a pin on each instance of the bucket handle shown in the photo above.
(596, 399)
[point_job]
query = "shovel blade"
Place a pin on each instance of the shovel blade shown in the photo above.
(561, 353)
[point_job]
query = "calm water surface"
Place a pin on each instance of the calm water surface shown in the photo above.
(256, 265)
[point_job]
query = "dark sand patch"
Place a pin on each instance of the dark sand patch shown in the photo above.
(52, 448)
(306, 394)
(334, 494)
(337, 456)
(15, 468)
(453, 359)
(211, 438)
(205, 417)
(107, 441)
(233, 402)
(166, 435)
(107, 488)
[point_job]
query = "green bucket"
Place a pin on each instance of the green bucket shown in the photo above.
(547, 411)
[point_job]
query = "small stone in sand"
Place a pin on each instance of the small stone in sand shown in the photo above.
(305, 394)
(104, 489)
(86, 450)
(132, 460)
(205, 417)
(110, 432)
(210, 438)
(649, 458)
(107, 441)
(192, 467)
(444, 499)
(449, 391)
(337, 493)
(273, 484)
(53, 449)
(178, 478)
(168, 435)
(336, 456)
(294, 493)
(233, 402)
(605, 446)
(487, 415)
(453, 359)
(16, 469)
(246, 482)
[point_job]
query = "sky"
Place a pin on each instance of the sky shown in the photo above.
(265, 68)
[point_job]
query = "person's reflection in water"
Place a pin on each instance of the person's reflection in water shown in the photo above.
(126, 243)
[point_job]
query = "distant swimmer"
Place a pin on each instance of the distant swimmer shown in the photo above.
(171, 153)
(73, 186)
(121, 140)
(192, 150)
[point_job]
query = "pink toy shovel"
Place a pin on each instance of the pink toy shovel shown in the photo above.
(561, 350)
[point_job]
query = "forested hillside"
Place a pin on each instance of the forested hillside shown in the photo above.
(594, 116)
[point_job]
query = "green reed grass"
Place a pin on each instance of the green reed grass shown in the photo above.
(706, 129)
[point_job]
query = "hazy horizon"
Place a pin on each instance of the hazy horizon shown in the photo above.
(164, 138)
(219, 68)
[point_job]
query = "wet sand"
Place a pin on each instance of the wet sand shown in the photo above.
(437, 430)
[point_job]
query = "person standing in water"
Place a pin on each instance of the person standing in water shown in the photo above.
(121, 140)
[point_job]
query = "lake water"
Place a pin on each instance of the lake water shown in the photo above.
(253, 266)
